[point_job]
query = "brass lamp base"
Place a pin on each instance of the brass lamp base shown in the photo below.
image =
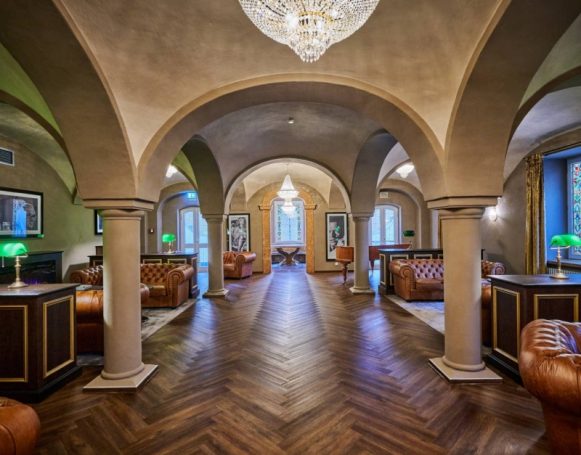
(559, 276)
(18, 284)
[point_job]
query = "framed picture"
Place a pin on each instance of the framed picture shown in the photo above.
(239, 232)
(337, 232)
(21, 213)
(98, 223)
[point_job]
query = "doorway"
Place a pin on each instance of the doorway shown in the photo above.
(193, 234)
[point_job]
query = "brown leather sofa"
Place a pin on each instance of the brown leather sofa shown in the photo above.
(91, 275)
(19, 428)
(550, 367)
(168, 284)
(418, 279)
(238, 265)
(374, 251)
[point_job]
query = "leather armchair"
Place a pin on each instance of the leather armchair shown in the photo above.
(550, 367)
(418, 279)
(168, 284)
(19, 428)
(238, 265)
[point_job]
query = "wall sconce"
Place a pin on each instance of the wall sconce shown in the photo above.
(493, 211)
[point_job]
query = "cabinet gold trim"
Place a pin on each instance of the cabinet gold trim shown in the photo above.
(512, 293)
(575, 298)
(71, 359)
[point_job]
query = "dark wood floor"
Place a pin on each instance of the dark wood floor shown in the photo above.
(292, 363)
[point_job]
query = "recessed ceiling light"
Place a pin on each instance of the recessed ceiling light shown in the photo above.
(291, 120)
(404, 170)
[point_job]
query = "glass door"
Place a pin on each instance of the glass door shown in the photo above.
(194, 234)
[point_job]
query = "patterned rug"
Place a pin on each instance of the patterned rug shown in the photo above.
(156, 319)
(430, 312)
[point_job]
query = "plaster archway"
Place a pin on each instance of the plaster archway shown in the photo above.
(238, 180)
(491, 92)
(398, 118)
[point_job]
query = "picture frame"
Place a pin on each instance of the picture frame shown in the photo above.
(336, 233)
(238, 230)
(21, 213)
(98, 223)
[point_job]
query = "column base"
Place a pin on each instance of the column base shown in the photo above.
(356, 290)
(130, 384)
(218, 293)
(453, 375)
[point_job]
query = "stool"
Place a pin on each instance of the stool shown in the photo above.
(19, 428)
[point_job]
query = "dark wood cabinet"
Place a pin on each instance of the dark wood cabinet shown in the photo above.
(519, 299)
(38, 348)
(163, 258)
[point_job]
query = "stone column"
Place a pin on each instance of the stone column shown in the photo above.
(215, 256)
(361, 284)
(462, 361)
(122, 303)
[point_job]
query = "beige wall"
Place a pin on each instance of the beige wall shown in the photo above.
(239, 205)
(504, 239)
(412, 217)
(67, 227)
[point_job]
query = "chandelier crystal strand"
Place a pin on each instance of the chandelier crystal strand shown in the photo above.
(308, 27)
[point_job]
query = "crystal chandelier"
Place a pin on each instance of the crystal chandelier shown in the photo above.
(287, 190)
(308, 27)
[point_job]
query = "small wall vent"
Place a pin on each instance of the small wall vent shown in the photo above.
(383, 194)
(6, 157)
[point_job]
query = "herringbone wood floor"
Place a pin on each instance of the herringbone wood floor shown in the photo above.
(295, 364)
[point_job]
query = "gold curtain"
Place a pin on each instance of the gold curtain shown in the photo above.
(535, 221)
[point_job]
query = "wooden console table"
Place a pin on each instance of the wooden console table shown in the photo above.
(38, 345)
(163, 258)
(519, 299)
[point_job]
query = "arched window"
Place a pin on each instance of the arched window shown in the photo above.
(384, 227)
(288, 229)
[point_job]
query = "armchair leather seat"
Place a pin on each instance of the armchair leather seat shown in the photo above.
(19, 428)
(238, 265)
(550, 367)
(169, 284)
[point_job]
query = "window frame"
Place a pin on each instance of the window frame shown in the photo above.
(274, 216)
(382, 240)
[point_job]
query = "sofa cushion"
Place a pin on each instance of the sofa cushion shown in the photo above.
(230, 266)
(429, 284)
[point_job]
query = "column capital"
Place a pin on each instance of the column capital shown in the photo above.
(310, 206)
(361, 216)
(121, 214)
(264, 207)
(118, 204)
(214, 218)
(453, 202)
(461, 213)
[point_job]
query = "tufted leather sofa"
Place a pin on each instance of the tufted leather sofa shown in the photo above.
(90, 275)
(168, 284)
(550, 367)
(19, 428)
(418, 279)
(238, 265)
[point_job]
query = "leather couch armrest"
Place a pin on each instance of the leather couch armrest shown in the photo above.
(498, 269)
(179, 274)
(79, 276)
(245, 257)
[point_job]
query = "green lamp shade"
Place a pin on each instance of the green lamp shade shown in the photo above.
(409, 233)
(10, 250)
(168, 238)
(565, 240)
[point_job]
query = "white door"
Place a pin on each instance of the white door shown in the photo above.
(194, 234)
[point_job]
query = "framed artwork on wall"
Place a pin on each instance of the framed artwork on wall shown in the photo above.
(21, 213)
(337, 232)
(98, 223)
(239, 232)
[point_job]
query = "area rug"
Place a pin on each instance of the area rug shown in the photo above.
(156, 319)
(431, 312)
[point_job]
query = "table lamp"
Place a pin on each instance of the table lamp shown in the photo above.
(169, 238)
(563, 241)
(17, 251)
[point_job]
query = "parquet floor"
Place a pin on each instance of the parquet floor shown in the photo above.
(293, 364)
